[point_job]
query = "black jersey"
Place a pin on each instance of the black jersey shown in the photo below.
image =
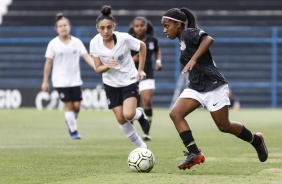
(152, 47)
(204, 76)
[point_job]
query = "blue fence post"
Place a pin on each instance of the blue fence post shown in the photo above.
(274, 45)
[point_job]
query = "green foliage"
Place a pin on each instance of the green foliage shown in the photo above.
(35, 148)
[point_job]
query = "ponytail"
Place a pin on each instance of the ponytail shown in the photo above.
(191, 17)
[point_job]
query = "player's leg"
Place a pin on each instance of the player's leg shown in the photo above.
(65, 95)
(71, 120)
(179, 111)
(146, 98)
(129, 110)
(221, 119)
(115, 97)
(76, 99)
(127, 127)
(146, 88)
(76, 108)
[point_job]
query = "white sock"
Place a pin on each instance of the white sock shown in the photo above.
(131, 133)
(137, 115)
(70, 118)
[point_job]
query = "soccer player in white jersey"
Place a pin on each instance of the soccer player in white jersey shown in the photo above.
(112, 58)
(63, 52)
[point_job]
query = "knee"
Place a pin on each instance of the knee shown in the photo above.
(146, 101)
(224, 128)
(173, 115)
(76, 109)
(129, 115)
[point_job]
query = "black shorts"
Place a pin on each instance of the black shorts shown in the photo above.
(116, 96)
(70, 94)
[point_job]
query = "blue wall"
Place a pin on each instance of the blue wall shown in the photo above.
(249, 57)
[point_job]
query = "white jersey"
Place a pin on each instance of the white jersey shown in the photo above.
(125, 72)
(66, 69)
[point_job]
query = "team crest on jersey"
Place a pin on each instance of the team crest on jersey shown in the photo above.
(74, 52)
(120, 57)
(151, 46)
(182, 45)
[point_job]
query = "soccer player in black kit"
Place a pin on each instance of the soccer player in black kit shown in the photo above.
(143, 30)
(206, 88)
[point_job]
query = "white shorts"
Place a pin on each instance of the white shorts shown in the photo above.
(147, 84)
(213, 100)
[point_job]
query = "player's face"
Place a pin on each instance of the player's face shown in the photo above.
(105, 28)
(63, 27)
(170, 28)
(139, 27)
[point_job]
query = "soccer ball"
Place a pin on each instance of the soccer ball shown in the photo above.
(141, 160)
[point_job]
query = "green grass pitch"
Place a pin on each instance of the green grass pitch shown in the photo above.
(35, 147)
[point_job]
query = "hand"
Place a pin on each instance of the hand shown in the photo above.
(141, 75)
(112, 63)
(189, 66)
(45, 87)
(158, 66)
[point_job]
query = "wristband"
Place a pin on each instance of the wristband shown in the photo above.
(158, 61)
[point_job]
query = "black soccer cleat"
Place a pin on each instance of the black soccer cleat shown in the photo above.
(144, 122)
(146, 137)
(191, 160)
(261, 148)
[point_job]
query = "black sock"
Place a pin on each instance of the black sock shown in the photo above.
(247, 136)
(144, 124)
(189, 142)
(149, 114)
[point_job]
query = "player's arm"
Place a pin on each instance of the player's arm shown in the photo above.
(101, 68)
(158, 60)
(142, 57)
(205, 43)
(47, 69)
(89, 60)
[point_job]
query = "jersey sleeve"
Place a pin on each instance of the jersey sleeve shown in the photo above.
(82, 48)
(49, 51)
(92, 48)
(133, 43)
(194, 35)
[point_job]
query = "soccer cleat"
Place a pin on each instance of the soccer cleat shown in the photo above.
(75, 135)
(261, 148)
(144, 122)
(146, 137)
(191, 160)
